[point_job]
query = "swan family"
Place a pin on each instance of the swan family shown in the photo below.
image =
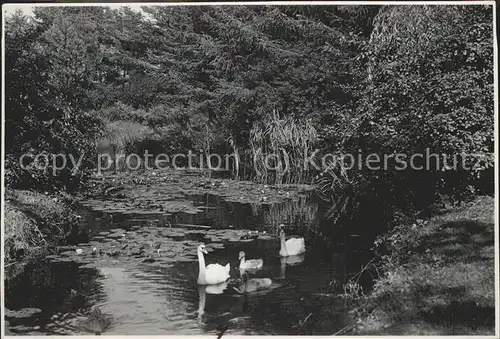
(215, 274)
(213, 278)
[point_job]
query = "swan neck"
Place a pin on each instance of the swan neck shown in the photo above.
(201, 263)
(283, 243)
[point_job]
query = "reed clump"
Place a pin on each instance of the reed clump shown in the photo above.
(279, 147)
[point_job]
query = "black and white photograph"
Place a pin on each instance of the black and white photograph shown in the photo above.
(312, 168)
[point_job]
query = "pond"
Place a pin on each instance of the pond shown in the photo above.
(140, 269)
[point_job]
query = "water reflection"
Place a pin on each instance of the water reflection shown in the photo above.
(202, 293)
(62, 292)
(291, 261)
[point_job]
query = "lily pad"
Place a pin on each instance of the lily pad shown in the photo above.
(116, 235)
(267, 237)
(22, 313)
(89, 265)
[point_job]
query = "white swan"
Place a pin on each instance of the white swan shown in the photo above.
(252, 264)
(213, 274)
(292, 246)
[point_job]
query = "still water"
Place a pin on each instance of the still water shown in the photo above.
(161, 297)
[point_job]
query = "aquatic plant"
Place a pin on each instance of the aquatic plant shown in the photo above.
(289, 141)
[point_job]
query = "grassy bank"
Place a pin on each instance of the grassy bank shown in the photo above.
(435, 277)
(35, 223)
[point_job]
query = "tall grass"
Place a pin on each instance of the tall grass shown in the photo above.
(279, 148)
(157, 130)
(119, 138)
(334, 186)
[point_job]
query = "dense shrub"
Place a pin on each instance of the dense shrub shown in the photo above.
(429, 86)
(40, 117)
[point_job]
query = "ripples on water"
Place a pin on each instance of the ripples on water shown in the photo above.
(163, 298)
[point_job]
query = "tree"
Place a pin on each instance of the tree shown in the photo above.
(39, 117)
(429, 85)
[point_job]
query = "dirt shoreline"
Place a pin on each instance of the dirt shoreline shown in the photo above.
(438, 277)
(35, 223)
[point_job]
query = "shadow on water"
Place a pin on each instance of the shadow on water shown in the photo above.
(50, 288)
(162, 297)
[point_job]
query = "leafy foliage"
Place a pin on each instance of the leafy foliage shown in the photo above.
(429, 91)
(40, 118)
(380, 79)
